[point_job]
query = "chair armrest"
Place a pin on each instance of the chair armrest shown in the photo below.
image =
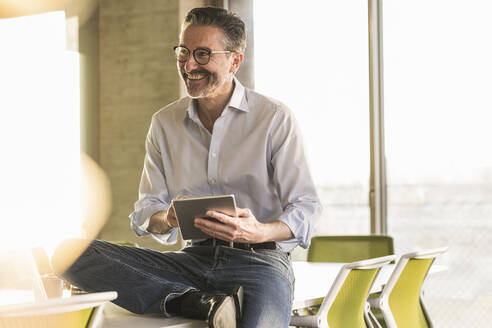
(375, 303)
(305, 321)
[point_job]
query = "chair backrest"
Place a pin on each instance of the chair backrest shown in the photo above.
(349, 248)
(403, 291)
(73, 319)
(76, 311)
(344, 304)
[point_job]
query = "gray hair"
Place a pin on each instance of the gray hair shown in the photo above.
(231, 25)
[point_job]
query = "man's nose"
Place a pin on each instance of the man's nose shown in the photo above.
(191, 64)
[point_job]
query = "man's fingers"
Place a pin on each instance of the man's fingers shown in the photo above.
(171, 211)
(243, 212)
(221, 217)
(212, 232)
(202, 222)
(220, 235)
(210, 227)
(172, 221)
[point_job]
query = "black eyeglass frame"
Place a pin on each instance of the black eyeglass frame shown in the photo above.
(210, 53)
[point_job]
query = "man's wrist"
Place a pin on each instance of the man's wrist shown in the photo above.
(276, 231)
(158, 223)
(264, 232)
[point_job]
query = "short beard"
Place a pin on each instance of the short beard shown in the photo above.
(211, 86)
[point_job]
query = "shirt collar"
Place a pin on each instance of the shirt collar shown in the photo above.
(237, 101)
(238, 98)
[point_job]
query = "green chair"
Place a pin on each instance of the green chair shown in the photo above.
(345, 305)
(348, 248)
(81, 311)
(125, 243)
(400, 301)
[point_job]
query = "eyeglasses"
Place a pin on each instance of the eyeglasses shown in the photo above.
(201, 55)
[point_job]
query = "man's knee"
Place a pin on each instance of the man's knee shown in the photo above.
(67, 252)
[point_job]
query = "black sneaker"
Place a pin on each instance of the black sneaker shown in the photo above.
(221, 309)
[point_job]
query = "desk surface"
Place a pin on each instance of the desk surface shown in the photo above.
(313, 280)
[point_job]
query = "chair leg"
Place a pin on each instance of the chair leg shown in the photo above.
(371, 320)
(426, 314)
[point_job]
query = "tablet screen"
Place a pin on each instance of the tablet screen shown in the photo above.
(188, 209)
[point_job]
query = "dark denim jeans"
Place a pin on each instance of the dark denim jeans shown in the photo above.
(145, 279)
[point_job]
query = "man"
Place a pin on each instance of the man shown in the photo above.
(221, 139)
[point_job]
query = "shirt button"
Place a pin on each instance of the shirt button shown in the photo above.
(213, 154)
(212, 181)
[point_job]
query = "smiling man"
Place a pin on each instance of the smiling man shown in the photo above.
(221, 139)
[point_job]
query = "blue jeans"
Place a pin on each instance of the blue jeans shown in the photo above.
(146, 279)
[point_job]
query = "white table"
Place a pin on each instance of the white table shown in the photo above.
(117, 317)
(313, 280)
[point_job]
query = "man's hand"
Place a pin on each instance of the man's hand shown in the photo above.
(244, 228)
(163, 221)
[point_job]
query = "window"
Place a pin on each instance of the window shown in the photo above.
(314, 58)
(438, 111)
(39, 132)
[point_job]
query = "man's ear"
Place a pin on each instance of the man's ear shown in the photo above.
(237, 59)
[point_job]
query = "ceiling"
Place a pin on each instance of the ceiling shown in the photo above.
(83, 9)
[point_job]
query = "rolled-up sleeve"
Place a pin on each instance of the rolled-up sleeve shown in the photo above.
(292, 177)
(153, 192)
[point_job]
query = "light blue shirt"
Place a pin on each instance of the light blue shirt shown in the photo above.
(255, 152)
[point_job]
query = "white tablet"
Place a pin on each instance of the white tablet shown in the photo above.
(188, 209)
